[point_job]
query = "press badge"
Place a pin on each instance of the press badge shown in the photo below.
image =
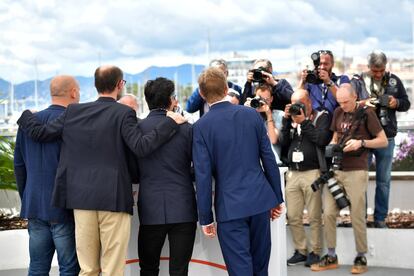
(297, 157)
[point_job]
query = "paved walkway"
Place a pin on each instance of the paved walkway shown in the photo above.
(298, 270)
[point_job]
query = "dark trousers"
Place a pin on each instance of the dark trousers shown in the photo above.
(245, 244)
(151, 239)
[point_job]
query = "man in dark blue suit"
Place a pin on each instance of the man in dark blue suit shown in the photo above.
(166, 198)
(230, 144)
(35, 164)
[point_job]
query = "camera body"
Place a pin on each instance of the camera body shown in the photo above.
(257, 74)
(335, 152)
(382, 103)
(313, 75)
(257, 102)
(295, 109)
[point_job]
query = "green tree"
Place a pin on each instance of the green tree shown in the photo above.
(7, 179)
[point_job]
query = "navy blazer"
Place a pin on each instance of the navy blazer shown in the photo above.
(35, 167)
(97, 138)
(230, 143)
(166, 191)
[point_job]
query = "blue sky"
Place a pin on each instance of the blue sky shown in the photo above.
(74, 37)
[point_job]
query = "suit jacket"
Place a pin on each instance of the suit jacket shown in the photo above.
(97, 137)
(166, 192)
(35, 166)
(230, 144)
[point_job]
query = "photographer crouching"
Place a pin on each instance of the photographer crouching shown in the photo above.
(356, 129)
(304, 132)
(262, 102)
(386, 92)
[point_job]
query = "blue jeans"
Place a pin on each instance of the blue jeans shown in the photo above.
(383, 164)
(44, 239)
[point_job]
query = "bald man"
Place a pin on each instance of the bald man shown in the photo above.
(304, 132)
(129, 100)
(356, 130)
(50, 228)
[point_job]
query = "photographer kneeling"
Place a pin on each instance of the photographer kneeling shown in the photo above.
(356, 129)
(304, 132)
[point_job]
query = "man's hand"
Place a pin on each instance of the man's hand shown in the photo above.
(352, 145)
(209, 230)
(176, 117)
(299, 118)
(324, 76)
(269, 78)
(392, 102)
(287, 114)
(276, 212)
(249, 76)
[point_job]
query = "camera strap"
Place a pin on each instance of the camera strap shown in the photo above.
(358, 117)
(321, 156)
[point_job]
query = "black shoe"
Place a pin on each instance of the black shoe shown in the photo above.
(296, 258)
(312, 259)
(360, 265)
(380, 224)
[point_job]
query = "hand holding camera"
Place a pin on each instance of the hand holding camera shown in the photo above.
(352, 145)
(260, 75)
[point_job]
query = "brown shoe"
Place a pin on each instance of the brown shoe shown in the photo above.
(360, 265)
(327, 262)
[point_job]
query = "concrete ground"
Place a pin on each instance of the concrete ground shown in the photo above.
(298, 270)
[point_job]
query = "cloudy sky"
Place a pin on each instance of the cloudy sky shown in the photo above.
(75, 36)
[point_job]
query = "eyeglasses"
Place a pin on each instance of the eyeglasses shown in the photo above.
(325, 52)
(174, 96)
(123, 82)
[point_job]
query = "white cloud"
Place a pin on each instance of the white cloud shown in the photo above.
(74, 36)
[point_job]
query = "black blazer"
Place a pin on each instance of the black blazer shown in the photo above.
(166, 192)
(97, 140)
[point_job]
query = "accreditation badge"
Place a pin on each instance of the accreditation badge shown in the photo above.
(297, 157)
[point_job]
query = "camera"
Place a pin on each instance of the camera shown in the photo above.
(257, 74)
(257, 102)
(382, 103)
(313, 75)
(295, 109)
(335, 152)
(333, 187)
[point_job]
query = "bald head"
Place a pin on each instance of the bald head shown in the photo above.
(64, 90)
(129, 100)
(346, 97)
(299, 95)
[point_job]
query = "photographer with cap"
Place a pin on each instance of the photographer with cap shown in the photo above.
(321, 82)
(303, 132)
(261, 73)
(386, 92)
(262, 102)
(196, 103)
(355, 130)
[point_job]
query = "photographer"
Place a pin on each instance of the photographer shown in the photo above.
(303, 131)
(356, 129)
(261, 102)
(261, 73)
(196, 103)
(387, 93)
(321, 82)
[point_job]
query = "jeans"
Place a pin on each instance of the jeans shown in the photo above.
(383, 164)
(44, 239)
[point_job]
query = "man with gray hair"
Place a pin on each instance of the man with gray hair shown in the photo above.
(196, 102)
(386, 92)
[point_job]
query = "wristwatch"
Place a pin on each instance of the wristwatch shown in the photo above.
(330, 84)
(363, 143)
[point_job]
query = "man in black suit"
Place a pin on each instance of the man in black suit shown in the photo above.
(94, 177)
(166, 198)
